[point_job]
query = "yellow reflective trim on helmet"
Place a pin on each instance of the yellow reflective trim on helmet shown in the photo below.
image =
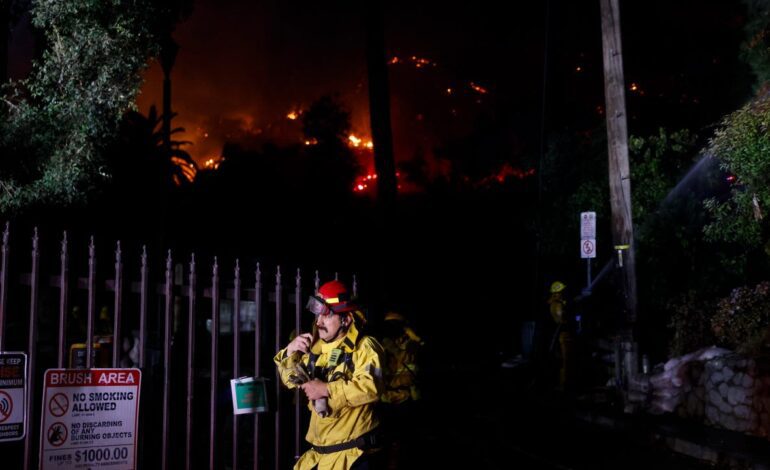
(394, 316)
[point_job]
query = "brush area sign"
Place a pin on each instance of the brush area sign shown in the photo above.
(89, 419)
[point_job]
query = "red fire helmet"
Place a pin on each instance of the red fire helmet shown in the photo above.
(334, 295)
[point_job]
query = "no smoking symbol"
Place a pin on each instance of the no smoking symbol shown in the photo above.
(588, 247)
(58, 405)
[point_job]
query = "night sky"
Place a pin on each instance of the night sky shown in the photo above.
(244, 66)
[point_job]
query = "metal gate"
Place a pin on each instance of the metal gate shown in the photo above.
(159, 321)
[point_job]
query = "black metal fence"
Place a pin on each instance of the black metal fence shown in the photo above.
(159, 327)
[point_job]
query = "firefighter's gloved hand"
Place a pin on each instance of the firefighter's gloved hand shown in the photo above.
(321, 407)
(301, 373)
(318, 392)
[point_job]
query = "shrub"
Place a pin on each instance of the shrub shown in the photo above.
(691, 324)
(741, 319)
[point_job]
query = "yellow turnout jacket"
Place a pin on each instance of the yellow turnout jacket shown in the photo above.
(401, 367)
(352, 369)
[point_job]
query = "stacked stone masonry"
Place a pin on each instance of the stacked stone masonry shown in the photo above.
(715, 386)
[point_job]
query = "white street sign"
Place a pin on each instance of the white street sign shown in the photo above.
(588, 248)
(587, 225)
(90, 419)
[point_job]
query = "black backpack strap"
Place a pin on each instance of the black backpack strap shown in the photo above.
(312, 358)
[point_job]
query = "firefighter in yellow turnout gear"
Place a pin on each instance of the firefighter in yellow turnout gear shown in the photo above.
(400, 400)
(342, 381)
(401, 370)
(558, 308)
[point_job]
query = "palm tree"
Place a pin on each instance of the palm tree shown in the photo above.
(142, 137)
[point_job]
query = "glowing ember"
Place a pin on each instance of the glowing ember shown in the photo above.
(312, 141)
(292, 116)
(634, 87)
(365, 182)
(419, 62)
(213, 163)
(505, 172)
(478, 88)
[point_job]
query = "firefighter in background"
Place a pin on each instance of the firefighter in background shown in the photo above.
(557, 305)
(401, 346)
(339, 370)
(401, 395)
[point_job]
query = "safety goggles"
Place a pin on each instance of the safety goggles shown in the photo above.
(317, 306)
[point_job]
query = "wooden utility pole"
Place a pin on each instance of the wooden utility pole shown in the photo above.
(617, 143)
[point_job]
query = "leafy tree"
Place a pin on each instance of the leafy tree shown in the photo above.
(755, 50)
(57, 123)
(332, 167)
(741, 146)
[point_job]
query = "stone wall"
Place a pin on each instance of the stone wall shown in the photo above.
(713, 385)
(737, 394)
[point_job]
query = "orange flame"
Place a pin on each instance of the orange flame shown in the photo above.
(358, 142)
(213, 163)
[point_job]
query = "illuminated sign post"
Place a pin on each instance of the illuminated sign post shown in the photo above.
(89, 419)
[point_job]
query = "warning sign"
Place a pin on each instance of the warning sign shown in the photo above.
(58, 405)
(13, 392)
(90, 419)
(6, 406)
(588, 248)
(57, 434)
(587, 225)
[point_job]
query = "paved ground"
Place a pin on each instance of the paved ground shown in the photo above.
(498, 422)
